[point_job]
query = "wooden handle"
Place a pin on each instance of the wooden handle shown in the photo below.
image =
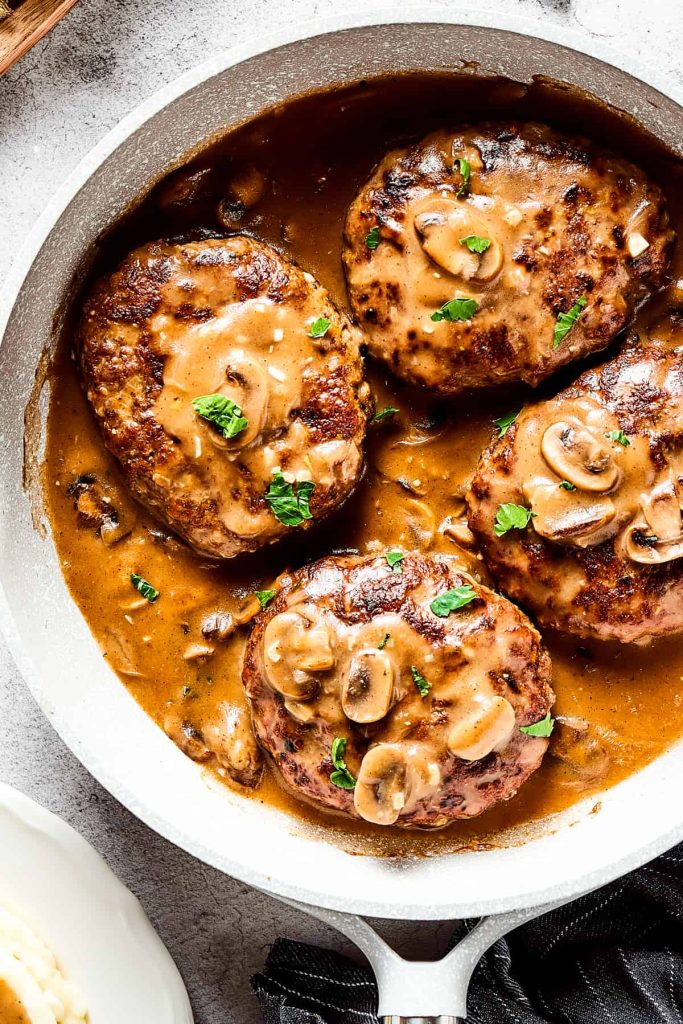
(21, 29)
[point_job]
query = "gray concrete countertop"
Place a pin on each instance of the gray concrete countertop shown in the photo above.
(55, 104)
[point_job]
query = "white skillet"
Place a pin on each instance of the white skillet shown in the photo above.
(97, 930)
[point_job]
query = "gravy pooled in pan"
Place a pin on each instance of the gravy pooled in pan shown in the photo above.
(177, 638)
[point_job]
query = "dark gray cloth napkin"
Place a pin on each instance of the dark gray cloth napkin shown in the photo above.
(612, 957)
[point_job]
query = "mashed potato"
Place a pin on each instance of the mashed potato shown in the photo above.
(32, 988)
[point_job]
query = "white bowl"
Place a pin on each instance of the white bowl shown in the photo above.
(98, 932)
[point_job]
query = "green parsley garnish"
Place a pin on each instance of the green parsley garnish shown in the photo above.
(341, 777)
(265, 597)
(390, 410)
(455, 310)
(289, 502)
(466, 173)
(372, 238)
(383, 643)
(319, 327)
(394, 559)
(144, 588)
(542, 728)
(222, 412)
(475, 243)
(505, 422)
(423, 686)
(511, 517)
(565, 321)
(451, 600)
(567, 486)
(619, 436)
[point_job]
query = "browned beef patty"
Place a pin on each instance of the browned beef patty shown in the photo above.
(429, 702)
(599, 469)
(461, 253)
(232, 322)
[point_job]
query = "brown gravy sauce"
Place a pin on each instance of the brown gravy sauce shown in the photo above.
(11, 1009)
(288, 177)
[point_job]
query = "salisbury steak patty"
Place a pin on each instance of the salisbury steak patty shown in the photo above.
(228, 386)
(465, 252)
(578, 506)
(425, 674)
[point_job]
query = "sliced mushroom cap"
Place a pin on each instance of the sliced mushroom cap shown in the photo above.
(442, 224)
(383, 783)
(296, 649)
(369, 686)
(232, 741)
(570, 517)
(487, 725)
(642, 546)
(576, 455)
(582, 749)
(662, 510)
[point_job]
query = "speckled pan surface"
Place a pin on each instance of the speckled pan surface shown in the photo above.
(50, 640)
(63, 890)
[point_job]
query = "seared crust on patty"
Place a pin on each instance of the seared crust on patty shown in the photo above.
(335, 655)
(563, 220)
(230, 317)
(601, 468)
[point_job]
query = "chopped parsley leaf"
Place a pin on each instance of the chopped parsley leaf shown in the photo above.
(222, 412)
(394, 559)
(390, 410)
(265, 597)
(505, 422)
(511, 517)
(372, 239)
(289, 502)
(452, 600)
(455, 310)
(475, 243)
(567, 486)
(542, 728)
(466, 174)
(383, 643)
(565, 321)
(619, 436)
(319, 327)
(423, 686)
(341, 776)
(144, 588)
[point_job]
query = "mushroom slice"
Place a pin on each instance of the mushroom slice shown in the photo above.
(369, 687)
(645, 548)
(442, 225)
(663, 511)
(232, 741)
(577, 456)
(582, 749)
(296, 648)
(487, 726)
(570, 517)
(383, 783)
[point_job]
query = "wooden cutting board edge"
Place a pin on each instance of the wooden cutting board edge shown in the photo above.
(26, 25)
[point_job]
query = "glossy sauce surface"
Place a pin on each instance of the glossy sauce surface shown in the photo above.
(288, 178)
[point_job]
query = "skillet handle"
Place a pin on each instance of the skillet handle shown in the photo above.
(422, 1020)
(434, 986)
